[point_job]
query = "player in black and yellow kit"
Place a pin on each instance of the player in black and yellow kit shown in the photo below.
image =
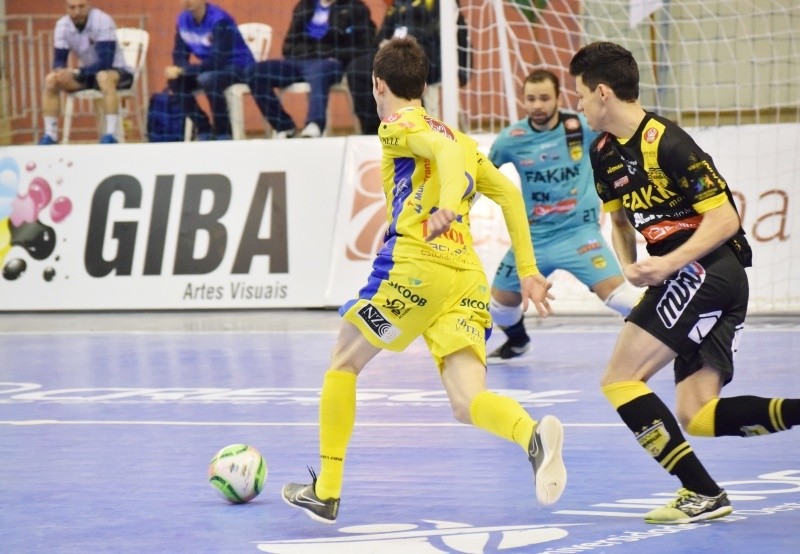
(427, 280)
(654, 179)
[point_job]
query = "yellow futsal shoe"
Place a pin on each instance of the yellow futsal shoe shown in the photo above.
(690, 507)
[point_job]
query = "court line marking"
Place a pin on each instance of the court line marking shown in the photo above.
(189, 332)
(31, 422)
(598, 513)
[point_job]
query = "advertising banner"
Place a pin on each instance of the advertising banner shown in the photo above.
(285, 224)
(167, 226)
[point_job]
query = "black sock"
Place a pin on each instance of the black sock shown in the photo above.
(516, 333)
(658, 432)
(748, 416)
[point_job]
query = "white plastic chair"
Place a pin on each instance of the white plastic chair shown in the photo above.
(303, 87)
(258, 37)
(134, 43)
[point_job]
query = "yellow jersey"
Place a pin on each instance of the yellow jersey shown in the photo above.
(426, 166)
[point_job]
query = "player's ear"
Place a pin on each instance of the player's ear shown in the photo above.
(378, 84)
(604, 91)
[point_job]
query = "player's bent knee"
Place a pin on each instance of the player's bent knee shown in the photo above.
(502, 315)
(623, 298)
(699, 423)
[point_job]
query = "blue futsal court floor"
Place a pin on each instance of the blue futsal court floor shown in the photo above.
(108, 423)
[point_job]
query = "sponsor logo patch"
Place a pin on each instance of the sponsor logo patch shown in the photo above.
(378, 324)
(679, 292)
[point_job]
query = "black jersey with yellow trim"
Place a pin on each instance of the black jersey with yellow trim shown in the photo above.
(662, 179)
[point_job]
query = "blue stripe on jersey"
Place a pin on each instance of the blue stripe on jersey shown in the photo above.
(470, 185)
(403, 170)
(380, 273)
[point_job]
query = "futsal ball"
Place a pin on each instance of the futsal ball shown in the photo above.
(237, 473)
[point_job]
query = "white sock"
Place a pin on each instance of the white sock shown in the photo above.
(111, 124)
(504, 316)
(624, 298)
(51, 126)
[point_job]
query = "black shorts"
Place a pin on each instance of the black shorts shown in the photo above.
(699, 313)
(90, 81)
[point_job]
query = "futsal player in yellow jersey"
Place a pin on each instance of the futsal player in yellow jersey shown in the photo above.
(427, 280)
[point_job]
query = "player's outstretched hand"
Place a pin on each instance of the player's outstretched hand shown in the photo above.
(537, 289)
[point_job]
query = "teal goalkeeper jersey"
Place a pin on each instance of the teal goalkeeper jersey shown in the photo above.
(427, 166)
(554, 171)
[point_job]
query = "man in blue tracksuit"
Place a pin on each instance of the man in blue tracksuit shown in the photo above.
(210, 34)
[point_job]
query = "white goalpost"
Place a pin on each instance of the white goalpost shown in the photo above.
(726, 70)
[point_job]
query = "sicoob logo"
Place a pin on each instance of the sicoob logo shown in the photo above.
(21, 214)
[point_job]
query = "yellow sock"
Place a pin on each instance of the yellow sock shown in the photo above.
(337, 416)
(623, 392)
(702, 424)
(502, 416)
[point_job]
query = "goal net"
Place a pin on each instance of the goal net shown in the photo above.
(726, 70)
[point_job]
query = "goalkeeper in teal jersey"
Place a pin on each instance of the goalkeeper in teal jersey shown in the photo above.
(550, 151)
(428, 281)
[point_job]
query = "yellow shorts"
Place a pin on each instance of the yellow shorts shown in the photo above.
(404, 299)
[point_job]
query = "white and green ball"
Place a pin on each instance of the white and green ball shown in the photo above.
(237, 473)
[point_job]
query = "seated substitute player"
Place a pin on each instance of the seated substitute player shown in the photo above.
(91, 34)
(421, 283)
(654, 179)
(550, 151)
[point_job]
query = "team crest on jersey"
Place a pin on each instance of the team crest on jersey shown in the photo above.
(439, 127)
(517, 132)
(651, 135)
(576, 152)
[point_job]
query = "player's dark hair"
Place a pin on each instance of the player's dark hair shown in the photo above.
(608, 64)
(539, 75)
(403, 65)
